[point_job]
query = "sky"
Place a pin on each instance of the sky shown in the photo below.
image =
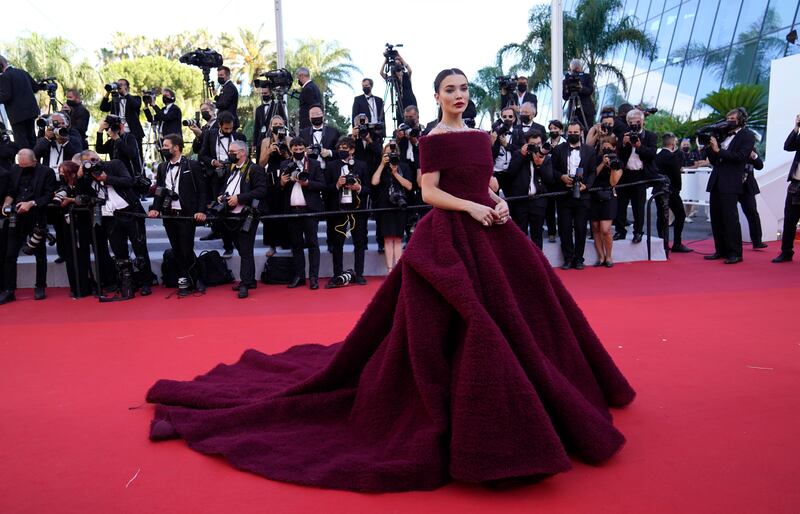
(435, 34)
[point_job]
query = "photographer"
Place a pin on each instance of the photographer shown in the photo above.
(407, 136)
(502, 147)
(603, 206)
(791, 209)
(320, 139)
(208, 112)
(227, 100)
(527, 112)
(577, 89)
(302, 182)
(31, 187)
(600, 131)
(516, 99)
(728, 160)
(168, 118)
(348, 186)
(263, 115)
(669, 162)
(310, 96)
(242, 184)
(368, 142)
(575, 166)
(120, 144)
(368, 104)
(119, 102)
(180, 191)
(400, 72)
(275, 150)
(113, 186)
(392, 181)
(8, 149)
(747, 200)
(692, 158)
(637, 151)
(78, 229)
(530, 173)
(79, 115)
(17, 93)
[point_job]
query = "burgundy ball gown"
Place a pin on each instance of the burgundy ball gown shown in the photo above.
(471, 363)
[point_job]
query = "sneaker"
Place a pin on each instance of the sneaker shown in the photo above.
(227, 254)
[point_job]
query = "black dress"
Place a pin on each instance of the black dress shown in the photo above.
(393, 223)
(602, 207)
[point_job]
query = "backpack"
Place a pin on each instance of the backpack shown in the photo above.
(212, 269)
(169, 269)
(278, 270)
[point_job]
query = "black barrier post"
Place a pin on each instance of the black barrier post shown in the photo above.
(75, 268)
(665, 214)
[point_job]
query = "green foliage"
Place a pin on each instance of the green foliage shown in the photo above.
(333, 117)
(752, 97)
(484, 92)
(663, 122)
(328, 62)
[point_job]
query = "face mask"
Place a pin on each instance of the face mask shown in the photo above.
(525, 119)
(167, 100)
(607, 151)
(522, 87)
(298, 155)
(685, 149)
(344, 154)
(205, 115)
(221, 81)
(573, 139)
(316, 121)
(554, 134)
(508, 123)
(266, 98)
(166, 154)
(411, 122)
(607, 128)
(72, 103)
(732, 125)
(366, 90)
(635, 127)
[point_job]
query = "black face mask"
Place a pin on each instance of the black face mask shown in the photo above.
(410, 122)
(221, 81)
(167, 100)
(266, 98)
(573, 138)
(686, 149)
(607, 128)
(73, 103)
(607, 151)
(635, 127)
(367, 90)
(166, 154)
(522, 87)
(298, 155)
(508, 123)
(525, 119)
(554, 134)
(733, 125)
(344, 154)
(317, 121)
(205, 115)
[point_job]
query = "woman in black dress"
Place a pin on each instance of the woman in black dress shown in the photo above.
(392, 179)
(274, 150)
(604, 202)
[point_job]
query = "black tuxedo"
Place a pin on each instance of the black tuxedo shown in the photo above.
(330, 136)
(123, 148)
(585, 97)
(17, 90)
(43, 146)
(572, 212)
(332, 195)
(303, 231)
(669, 163)
(356, 223)
(518, 134)
(791, 210)
(309, 95)
(191, 185)
(228, 101)
(635, 195)
(208, 151)
(209, 127)
(361, 106)
(512, 99)
(725, 184)
(312, 192)
(748, 200)
(133, 106)
(263, 117)
(529, 213)
(170, 119)
(792, 144)
(79, 117)
(253, 185)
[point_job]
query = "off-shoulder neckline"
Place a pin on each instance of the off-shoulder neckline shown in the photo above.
(468, 131)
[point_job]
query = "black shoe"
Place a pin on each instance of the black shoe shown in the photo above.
(609, 264)
(551, 239)
(59, 260)
(712, 257)
(578, 265)
(783, 257)
(211, 236)
(296, 282)
(381, 250)
(681, 248)
(567, 265)
(313, 283)
(598, 264)
(637, 238)
(227, 254)
(200, 286)
(242, 291)
(590, 236)
(6, 297)
(361, 281)
(331, 284)
(733, 260)
(760, 245)
(618, 236)
(38, 293)
(145, 290)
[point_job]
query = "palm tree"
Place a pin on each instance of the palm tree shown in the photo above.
(753, 97)
(328, 62)
(596, 30)
(484, 90)
(248, 55)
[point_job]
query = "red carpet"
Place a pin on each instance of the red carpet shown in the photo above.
(713, 351)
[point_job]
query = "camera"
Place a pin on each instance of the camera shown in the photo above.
(647, 112)
(350, 179)
(112, 88)
(377, 130)
(507, 82)
(500, 128)
(533, 148)
(314, 151)
(719, 130)
(291, 170)
(114, 122)
(148, 95)
(408, 130)
(35, 239)
(470, 122)
(613, 160)
(4, 137)
(10, 214)
(397, 197)
(220, 208)
(391, 58)
(95, 169)
(633, 137)
(189, 123)
(275, 79)
(577, 180)
(250, 214)
(47, 121)
(545, 148)
(162, 198)
(49, 85)
(202, 58)
(343, 279)
(394, 158)
(572, 81)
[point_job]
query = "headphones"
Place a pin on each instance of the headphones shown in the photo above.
(742, 116)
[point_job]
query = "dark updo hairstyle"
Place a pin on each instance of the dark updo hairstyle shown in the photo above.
(437, 82)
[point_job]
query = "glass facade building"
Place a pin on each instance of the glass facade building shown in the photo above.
(702, 46)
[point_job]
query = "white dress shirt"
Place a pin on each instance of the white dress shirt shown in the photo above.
(234, 186)
(173, 181)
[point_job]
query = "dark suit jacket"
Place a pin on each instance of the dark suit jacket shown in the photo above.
(560, 157)
(44, 184)
(252, 187)
(792, 144)
(647, 154)
(512, 99)
(261, 124)
(42, 150)
(519, 171)
(5, 183)
(402, 147)
(208, 152)
(191, 184)
(133, 106)
(330, 136)
(170, 120)
(361, 106)
(228, 100)
(585, 96)
(124, 148)
(669, 164)
(17, 90)
(518, 136)
(309, 95)
(79, 116)
(728, 166)
(197, 144)
(750, 183)
(123, 182)
(316, 185)
(332, 173)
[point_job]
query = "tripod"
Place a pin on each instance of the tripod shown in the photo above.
(52, 104)
(575, 105)
(394, 89)
(208, 86)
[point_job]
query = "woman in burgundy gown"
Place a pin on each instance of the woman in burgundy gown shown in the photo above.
(471, 363)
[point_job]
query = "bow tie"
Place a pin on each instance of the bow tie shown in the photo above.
(317, 130)
(578, 149)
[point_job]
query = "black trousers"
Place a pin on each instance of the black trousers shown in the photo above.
(108, 271)
(550, 217)
(725, 224)
(748, 203)
(637, 197)
(675, 204)
(530, 217)
(78, 239)
(24, 133)
(303, 232)
(572, 218)
(337, 237)
(245, 243)
(791, 215)
(181, 239)
(17, 237)
(122, 228)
